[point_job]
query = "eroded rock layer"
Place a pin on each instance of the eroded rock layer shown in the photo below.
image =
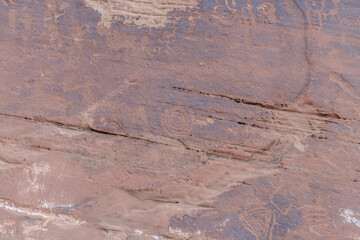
(169, 119)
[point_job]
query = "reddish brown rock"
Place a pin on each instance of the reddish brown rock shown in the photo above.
(169, 119)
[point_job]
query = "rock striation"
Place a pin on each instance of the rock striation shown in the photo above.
(169, 119)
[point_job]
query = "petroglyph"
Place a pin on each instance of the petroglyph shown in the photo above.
(267, 12)
(320, 222)
(225, 119)
(156, 13)
(260, 221)
(177, 121)
(350, 21)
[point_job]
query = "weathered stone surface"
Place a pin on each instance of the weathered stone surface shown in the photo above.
(169, 119)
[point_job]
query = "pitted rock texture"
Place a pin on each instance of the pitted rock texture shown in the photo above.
(167, 119)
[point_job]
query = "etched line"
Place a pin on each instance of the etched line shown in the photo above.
(351, 21)
(260, 221)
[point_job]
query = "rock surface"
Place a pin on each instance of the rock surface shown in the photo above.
(179, 119)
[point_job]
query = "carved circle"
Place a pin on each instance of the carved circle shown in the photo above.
(177, 121)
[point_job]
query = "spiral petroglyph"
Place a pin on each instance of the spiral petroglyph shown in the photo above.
(177, 121)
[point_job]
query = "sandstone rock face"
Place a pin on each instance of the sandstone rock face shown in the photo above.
(179, 119)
